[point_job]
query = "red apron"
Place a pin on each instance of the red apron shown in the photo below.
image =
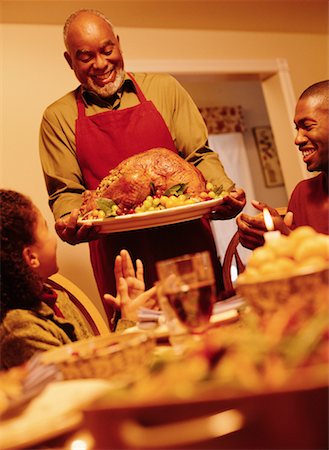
(102, 142)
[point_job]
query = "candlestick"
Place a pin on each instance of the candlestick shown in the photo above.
(272, 236)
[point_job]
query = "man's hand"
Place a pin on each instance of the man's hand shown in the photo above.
(69, 231)
(252, 228)
(232, 204)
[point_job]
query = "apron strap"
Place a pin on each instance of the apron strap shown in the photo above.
(140, 95)
(81, 106)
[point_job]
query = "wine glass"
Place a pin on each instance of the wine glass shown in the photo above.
(187, 285)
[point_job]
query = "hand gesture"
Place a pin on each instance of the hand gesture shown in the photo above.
(252, 228)
(131, 294)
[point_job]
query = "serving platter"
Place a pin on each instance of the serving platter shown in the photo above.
(154, 218)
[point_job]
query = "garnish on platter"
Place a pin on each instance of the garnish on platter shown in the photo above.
(154, 180)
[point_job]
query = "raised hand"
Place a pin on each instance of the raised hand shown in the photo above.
(131, 294)
(129, 306)
(124, 268)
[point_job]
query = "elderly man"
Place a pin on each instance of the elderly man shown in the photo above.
(309, 202)
(111, 116)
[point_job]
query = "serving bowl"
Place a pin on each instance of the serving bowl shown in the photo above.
(288, 274)
(309, 290)
(120, 357)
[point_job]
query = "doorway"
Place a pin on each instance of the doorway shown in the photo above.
(276, 85)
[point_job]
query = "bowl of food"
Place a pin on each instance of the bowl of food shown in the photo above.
(288, 270)
(119, 357)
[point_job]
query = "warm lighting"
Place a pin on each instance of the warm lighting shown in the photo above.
(268, 220)
(82, 440)
(79, 444)
(271, 236)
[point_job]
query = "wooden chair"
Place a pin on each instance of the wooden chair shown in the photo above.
(231, 252)
(86, 307)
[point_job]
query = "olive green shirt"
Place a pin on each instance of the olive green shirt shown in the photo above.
(24, 332)
(62, 173)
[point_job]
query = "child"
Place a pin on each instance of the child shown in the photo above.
(33, 316)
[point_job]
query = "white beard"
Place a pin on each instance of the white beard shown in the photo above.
(110, 88)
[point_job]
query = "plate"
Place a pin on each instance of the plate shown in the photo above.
(57, 410)
(154, 218)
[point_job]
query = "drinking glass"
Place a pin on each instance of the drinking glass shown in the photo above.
(187, 286)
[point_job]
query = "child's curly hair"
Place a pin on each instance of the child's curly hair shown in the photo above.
(21, 286)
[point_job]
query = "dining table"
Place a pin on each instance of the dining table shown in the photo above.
(229, 388)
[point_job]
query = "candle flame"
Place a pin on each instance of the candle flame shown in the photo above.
(268, 220)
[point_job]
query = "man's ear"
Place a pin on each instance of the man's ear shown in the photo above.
(68, 59)
(118, 39)
(31, 258)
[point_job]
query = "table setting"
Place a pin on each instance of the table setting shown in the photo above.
(247, 372)
(264, 375)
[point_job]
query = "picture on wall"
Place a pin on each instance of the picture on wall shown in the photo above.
(268, 156)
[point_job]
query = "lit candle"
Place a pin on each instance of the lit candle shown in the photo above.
(271, 235)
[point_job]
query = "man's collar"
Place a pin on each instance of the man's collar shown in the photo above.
(91, 98)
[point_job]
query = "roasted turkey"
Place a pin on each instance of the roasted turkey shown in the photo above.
(152, 172)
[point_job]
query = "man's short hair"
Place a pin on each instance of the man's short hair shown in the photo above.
(320, 89)
(71, 18)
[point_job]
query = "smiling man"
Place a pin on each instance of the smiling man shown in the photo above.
(309, 202)
(111, 116)
(94, 54)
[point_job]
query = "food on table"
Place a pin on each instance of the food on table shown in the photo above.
(303, 251)
(151, 180)
(237, 359)
(287, 281)
(285, 349)
(116, 357)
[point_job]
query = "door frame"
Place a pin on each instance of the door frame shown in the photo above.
(278, 92)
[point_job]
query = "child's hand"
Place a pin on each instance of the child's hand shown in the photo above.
(129, 306)
(130, 288)
(124, 268)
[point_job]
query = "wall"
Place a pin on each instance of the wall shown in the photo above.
(34, 74)
(209, 91)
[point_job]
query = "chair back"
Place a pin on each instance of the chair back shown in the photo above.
(86, 307)
(231, 252)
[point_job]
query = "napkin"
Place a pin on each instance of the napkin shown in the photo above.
(36, 378)
(149, 316)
